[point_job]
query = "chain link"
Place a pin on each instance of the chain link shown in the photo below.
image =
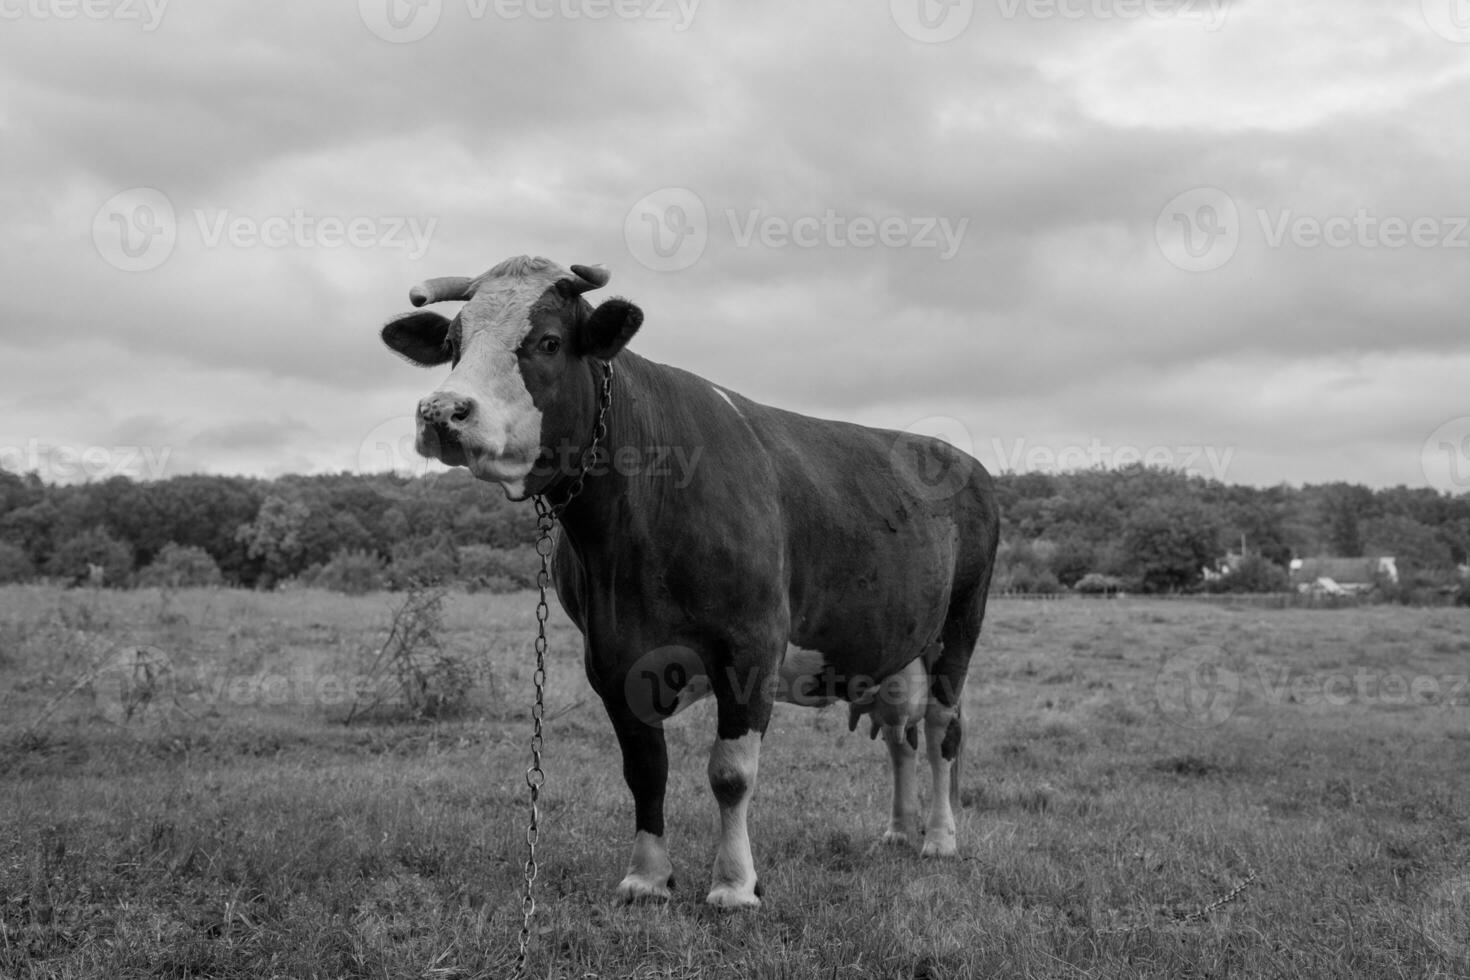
(547, 515)
(1189, 915)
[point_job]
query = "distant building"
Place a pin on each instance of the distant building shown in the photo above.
(1342, 576)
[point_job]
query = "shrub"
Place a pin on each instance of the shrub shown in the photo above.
(179, 566)
(1095, 583)
(352, 572)
(422, 561)
(498, 569)
(412, 668)
(1253, 574)
(15, 564)
(75, 558)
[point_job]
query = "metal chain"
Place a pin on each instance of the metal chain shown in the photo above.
(1193, 915)
(546, 518)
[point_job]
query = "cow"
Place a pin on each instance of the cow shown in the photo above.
(797, 558)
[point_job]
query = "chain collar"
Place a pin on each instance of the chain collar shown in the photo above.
(547, 514)
(544, 507)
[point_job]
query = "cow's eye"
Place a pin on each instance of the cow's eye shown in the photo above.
(549, 345)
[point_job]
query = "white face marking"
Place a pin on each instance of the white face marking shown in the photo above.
(722, 394)
(502, 438)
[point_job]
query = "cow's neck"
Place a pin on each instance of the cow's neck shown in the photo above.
(635, 428)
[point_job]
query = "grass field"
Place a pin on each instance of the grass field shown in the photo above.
(1128, 764)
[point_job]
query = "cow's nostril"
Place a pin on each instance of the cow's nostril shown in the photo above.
(461, 410)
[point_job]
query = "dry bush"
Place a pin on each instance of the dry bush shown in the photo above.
(412, 672)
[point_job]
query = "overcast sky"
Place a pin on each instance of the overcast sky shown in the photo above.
(1230, 237)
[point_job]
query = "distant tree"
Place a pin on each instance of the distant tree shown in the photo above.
(423, 561)
(1254, 573)
(1072, 560)
(273, 538)
(498, 569)
(352, 572)
(1168, 543)
(1346, 506)
(179, 566)
(15, 564)
(75, 557)
(32, 528)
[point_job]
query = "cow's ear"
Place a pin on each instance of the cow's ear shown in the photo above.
(420, 338)
(610, 327)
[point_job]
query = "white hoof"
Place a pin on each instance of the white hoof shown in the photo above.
(734, 897)
(940, 844)
(896, 838)
(642, 888)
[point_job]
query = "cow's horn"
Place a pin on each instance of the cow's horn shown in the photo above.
(442, 289)
(588, 277)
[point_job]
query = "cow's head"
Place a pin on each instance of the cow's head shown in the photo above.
(523, 388)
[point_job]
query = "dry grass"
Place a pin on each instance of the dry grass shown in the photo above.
(236, 829)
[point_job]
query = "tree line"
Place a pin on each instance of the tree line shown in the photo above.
(1138, 528)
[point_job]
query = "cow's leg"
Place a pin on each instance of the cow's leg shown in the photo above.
(744, 701)
(646, 770)
(903, 824)
(898, 708)
(944, 732)
(942, 736)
